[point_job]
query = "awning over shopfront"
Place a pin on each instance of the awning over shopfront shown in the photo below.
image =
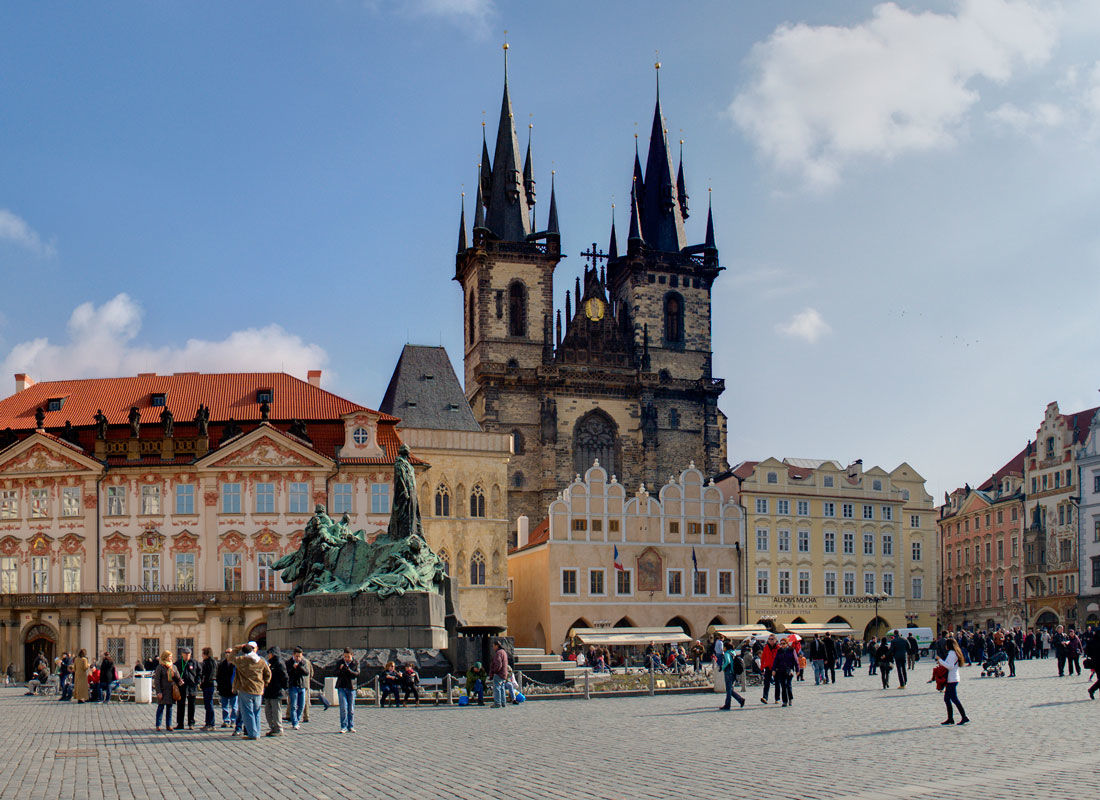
(736, 633)
(625, 637)
(808, 629)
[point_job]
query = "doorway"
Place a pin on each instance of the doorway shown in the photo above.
(39, 640)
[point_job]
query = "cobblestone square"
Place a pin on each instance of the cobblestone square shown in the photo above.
(852, 741)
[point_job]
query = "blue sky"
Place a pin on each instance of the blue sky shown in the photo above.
(905, 195)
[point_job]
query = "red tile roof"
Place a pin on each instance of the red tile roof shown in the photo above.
(1015, 466)
(226, 394)
(540, 534)
(1079, 423)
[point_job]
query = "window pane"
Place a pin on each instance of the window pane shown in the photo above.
(231, 498)
(185, 498)
(265, 498)
(299, 498)
(185, 571)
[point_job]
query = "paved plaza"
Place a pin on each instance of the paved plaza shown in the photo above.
(852, 741)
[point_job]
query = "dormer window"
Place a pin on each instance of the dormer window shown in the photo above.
(410, 403)
(876, 485)
(55, 403)
(773, 477)
(360, 436)
(158, 399)
(265, 396)
(452, 406)
(428, 377)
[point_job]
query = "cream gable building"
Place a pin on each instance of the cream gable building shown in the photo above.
(679, 547)
(821, 539)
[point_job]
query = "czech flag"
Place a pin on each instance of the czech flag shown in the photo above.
(618, 564)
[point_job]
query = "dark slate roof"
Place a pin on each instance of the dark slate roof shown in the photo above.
(425, 393)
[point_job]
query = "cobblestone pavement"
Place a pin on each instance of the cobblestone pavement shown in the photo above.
(854, 740)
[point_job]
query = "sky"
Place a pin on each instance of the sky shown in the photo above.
(905, 195)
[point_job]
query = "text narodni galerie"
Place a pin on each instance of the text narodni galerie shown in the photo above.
(366, 607)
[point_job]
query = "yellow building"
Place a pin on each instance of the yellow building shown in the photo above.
(822, 541)
(679, 550)
(463, 499)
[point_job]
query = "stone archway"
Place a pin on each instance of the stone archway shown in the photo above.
(38, 640)
(876, 627)
(258, 634)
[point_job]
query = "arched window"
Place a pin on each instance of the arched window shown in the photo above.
(477, 502)
(674, 317)
(517, 443)
(445, 557)
(595, 437)
(517, 309)
(442, 501)
(477, 569)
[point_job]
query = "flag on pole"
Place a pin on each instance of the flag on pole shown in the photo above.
(618, 564)
(694, 563)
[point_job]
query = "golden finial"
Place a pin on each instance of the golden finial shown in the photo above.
(505, 46)
(657, 61)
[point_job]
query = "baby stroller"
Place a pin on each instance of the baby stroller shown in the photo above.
(991, 667)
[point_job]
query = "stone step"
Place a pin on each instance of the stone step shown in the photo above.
(528, 651)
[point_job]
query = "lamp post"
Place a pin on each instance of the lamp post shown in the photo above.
(876, 599)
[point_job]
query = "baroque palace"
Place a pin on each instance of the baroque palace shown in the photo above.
(125, 529)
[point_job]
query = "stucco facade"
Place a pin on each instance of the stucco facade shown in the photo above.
(679, 548)
(1088, 519)
(822, 538)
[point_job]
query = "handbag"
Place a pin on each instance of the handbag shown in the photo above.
(1088, 663)
(939, 675)
(175, 686)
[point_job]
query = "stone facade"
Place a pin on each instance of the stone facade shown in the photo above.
(679, 548)
(1088, 520)
(821, 539)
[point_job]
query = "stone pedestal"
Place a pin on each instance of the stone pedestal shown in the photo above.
(414, 620)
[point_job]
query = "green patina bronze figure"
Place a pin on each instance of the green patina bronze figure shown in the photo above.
(333, 558)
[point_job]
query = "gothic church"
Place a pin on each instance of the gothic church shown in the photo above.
(625, 375)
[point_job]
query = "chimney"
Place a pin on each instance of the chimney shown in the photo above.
(23, 381)
(523, 525)
(314, 377)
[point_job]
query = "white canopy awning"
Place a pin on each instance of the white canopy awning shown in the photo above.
(735, 633)
(808, 629)
(608, 637)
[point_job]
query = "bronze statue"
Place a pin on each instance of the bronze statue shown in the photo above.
(202, 419)
(100, 425)
(135, 422)
(39, 418)
(230, 429)
(168, 421)
(332, 558)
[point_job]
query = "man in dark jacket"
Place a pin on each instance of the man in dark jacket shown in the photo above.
(1092, 661)
(190, 677)
(273, 692)
(347, 678)
(297, 670)
(1058, 641)
(914, 650)
(900, 651)
(829, 643)
(107, 677)
(223, 678)
(208, 674)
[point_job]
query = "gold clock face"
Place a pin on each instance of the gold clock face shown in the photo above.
(594, 309)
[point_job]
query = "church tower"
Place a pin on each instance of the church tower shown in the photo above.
(623, 376)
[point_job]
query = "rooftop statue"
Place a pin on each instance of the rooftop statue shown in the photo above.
(333, 558)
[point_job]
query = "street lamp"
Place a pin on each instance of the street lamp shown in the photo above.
(876, 599)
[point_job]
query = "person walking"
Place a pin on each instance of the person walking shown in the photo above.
(165, 679)
(1058, 641)
(914, 650)
(816, 652)
(830, 657)
(767, 659)
(950, 660)
(107, 677)
(1044, 643)
(1073, 653)
(498, 674)
(732, 666)
(190, 677)
(208, 673)
(1092, 661)
(849, 658)
(81, 666)
(784, 666)
(252, 674)
(273, 692)
(223, 678)
(347, 676)
(884, 657)
(900, 651)
(869, 650)
(297, 671)
(1010, 652)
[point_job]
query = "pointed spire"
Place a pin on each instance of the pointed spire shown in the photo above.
(662, 221)
(635, 233)
(528, 171)
(462, 242)
(568, 308)
(558, 339)
(681, 188)
(552, 220)
(577, 292)
(479, 210)
(486, 170)
(508, 212)
(639, 180)
(709, 243)
(613, 246)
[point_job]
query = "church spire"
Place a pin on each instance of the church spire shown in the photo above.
(613, 246)
(552, 220)
(709, 242)
(486, 169)
(529, 171)
(635, 233)
(462, 241)
(508, 212)
(662, 218)
(479, 210)
(681, 188)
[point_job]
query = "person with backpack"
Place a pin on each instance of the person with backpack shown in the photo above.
(732, 668)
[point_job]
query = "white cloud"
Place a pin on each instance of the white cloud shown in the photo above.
(899, 82)
(1021, 120)
(807, 325)
(15, 229)
(473, 14)
(101, 343)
